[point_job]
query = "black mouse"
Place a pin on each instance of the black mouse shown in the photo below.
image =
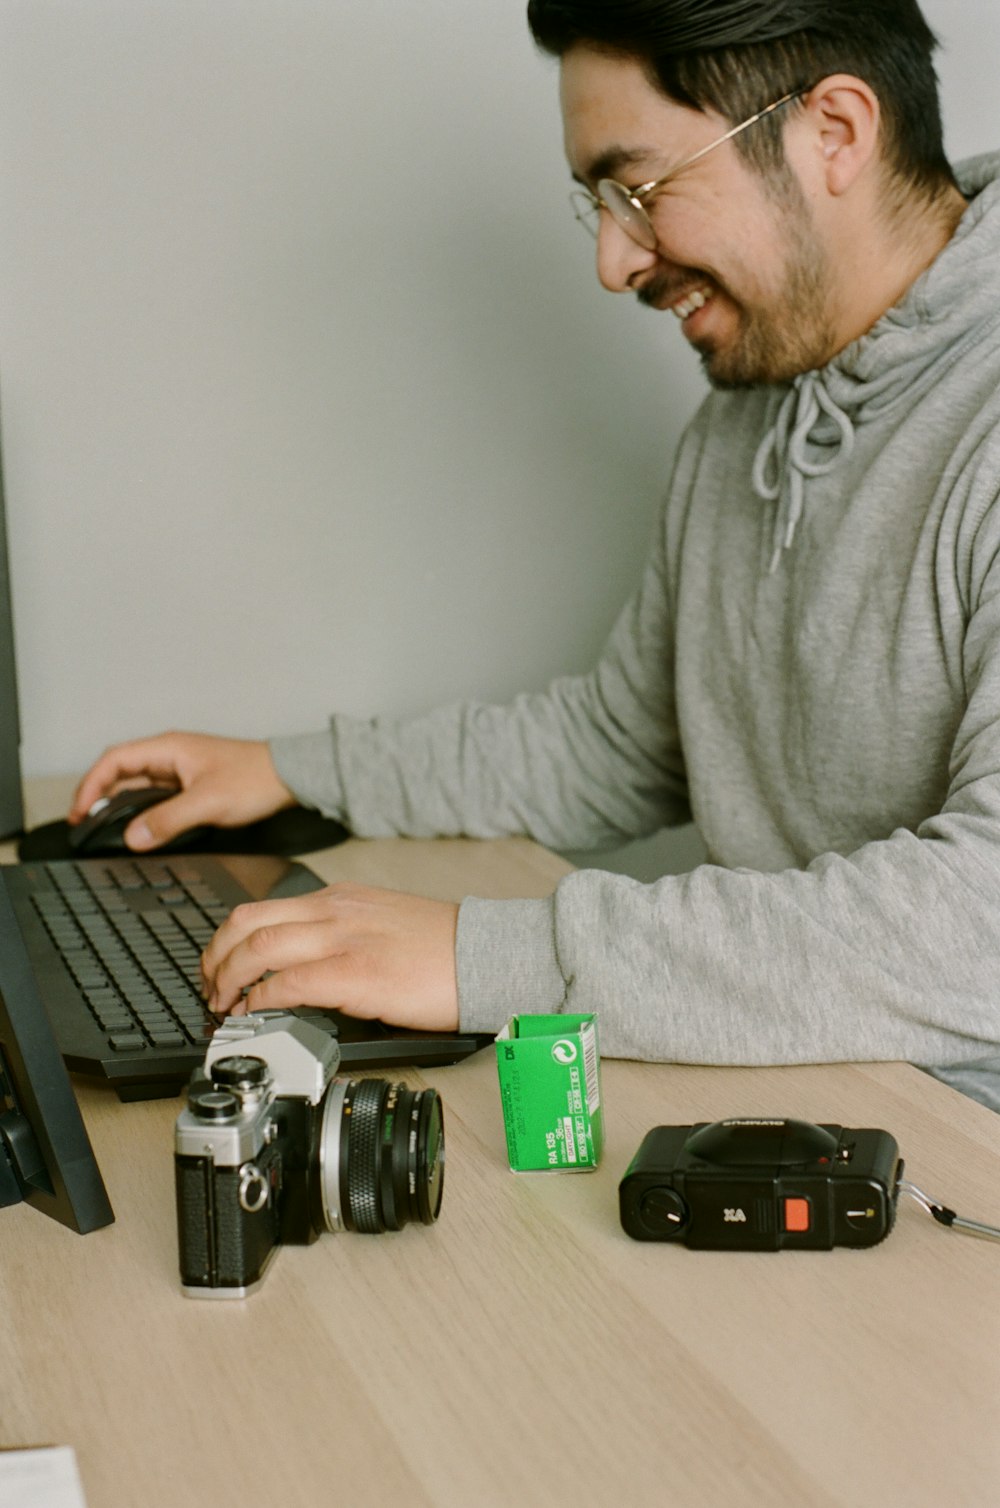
(294, 831)
(102, 830)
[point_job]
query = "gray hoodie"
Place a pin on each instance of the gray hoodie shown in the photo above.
(811, 668)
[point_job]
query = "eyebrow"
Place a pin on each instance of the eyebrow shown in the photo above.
(611, 161)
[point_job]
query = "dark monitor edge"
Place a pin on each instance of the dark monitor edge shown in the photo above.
(11, 791)
(46, 1159)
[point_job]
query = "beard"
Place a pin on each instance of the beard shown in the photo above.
(780, 335)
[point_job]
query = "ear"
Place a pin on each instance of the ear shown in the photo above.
(844, 118)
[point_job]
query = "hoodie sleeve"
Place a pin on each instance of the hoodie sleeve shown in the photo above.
(593, 761)
(891, 952)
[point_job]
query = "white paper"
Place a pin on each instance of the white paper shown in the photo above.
(46, 1478)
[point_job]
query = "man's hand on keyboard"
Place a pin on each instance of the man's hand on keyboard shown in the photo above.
(372, 953)
(222, 782)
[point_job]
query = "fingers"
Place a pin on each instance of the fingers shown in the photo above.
(230, 782)
(330, 982)
(166, 820)
(259, 917)
(372, 953)
(150, 759)
(285, 952)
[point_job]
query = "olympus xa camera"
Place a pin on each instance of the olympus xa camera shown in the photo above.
(272, 1148)
(762, 1185)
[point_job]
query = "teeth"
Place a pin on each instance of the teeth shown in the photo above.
(696, 300)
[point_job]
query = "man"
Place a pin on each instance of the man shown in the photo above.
(811, 664)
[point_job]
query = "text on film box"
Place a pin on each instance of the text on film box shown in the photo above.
(550, 1089)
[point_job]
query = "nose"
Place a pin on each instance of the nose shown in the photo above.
(620, 260)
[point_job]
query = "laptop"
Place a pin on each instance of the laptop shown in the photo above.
(114, 946)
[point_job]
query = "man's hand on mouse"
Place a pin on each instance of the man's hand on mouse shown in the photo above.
(372, 953)
(222, 782)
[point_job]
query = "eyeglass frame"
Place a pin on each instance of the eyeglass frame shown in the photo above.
(634, 198)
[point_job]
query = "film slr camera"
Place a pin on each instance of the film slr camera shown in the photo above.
(762, 1185)
(272, 1148)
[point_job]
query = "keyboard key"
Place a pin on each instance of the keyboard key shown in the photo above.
(189, 916)
(103, 997)
(160, 922)
(153, 1021)
(89, 977)
(127, 1042)
(168, 1038)
(190, 998)
(195, 1019)
(115, 1022)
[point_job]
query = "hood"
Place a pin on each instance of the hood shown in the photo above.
(812, 421)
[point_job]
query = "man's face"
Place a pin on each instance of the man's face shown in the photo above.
(738, 257)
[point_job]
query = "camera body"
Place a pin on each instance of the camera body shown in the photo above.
(762, 1185)
(272, 1149)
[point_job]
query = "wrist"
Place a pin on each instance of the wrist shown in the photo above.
(305, 765)
(506, 962)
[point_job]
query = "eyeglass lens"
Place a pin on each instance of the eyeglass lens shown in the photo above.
(587, 210)
(633, 220)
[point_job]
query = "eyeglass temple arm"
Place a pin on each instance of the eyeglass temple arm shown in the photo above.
(646, 188)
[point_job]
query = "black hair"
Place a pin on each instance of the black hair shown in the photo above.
(737, 56)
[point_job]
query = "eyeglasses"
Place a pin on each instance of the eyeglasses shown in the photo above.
(626, 206)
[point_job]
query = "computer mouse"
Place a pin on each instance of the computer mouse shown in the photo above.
(102, 830)
(289, 833)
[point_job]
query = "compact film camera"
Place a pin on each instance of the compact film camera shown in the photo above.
(762, 1185)
(271, 1148)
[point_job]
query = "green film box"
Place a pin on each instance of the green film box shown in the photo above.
(550, 1089)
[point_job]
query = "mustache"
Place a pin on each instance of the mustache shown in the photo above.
(664, 289)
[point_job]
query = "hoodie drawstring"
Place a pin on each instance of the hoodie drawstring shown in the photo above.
(781, 455)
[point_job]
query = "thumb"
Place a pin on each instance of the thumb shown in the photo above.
(163, 822)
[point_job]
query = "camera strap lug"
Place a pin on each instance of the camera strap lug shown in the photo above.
(254, 1191)
(944, 1216)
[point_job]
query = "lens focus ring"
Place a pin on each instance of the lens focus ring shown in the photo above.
(378, 1157)
(363, 1156)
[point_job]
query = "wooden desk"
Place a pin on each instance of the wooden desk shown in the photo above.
(524, 1351)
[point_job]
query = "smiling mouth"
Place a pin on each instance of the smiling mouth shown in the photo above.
(691, 302)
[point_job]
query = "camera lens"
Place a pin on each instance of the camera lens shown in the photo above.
(380, 1155)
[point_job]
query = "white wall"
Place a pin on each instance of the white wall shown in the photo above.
(310, 397)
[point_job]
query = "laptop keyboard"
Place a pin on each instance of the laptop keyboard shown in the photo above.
(131, 932)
